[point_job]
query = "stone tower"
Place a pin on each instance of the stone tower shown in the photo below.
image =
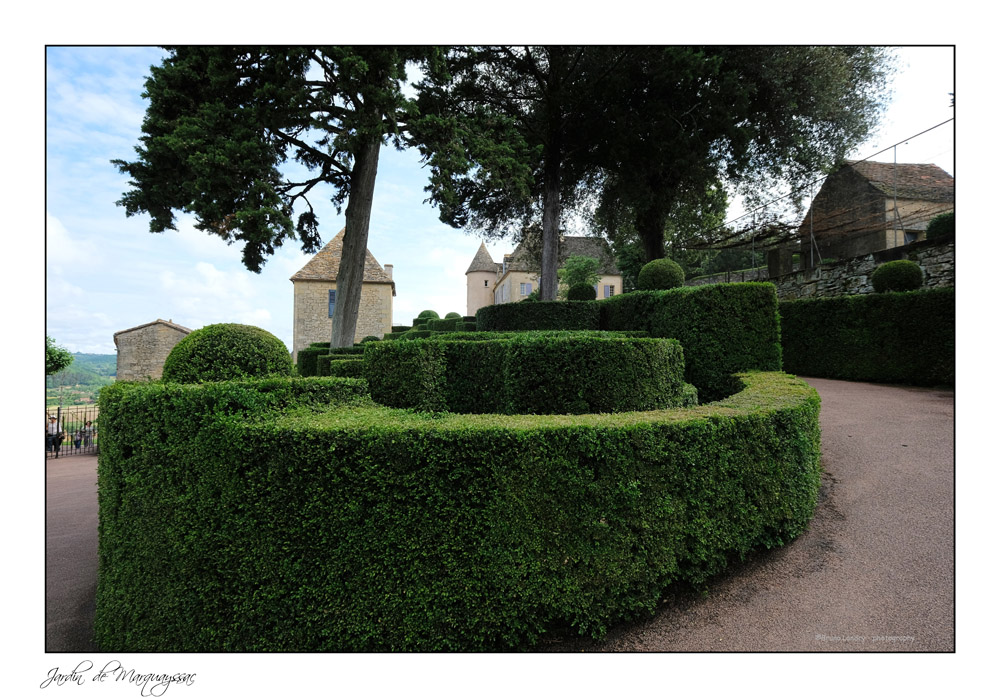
(479, 281)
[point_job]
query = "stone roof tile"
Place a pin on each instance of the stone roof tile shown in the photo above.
(325, 265)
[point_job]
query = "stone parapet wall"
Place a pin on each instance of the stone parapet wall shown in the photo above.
(850, 276)
(853, 276)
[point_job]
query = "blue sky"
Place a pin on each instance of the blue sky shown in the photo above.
(105, 272)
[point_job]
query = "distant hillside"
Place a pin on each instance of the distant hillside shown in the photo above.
(80, 382)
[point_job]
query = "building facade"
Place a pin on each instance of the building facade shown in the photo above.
(315, 291)
(142, 350)
(866, 207)
(519, 274)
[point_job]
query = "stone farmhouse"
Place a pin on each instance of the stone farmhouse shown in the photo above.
(866, 207)
(142, 350)
(315, 292)
(491, 283)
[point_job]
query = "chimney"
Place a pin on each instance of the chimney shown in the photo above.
(388, 270)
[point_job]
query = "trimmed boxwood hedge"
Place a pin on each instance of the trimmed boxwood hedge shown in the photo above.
(885, 337)
(342, 366)
(227, 351)
(543, 315)
(724, 328)
(225, 526)
(308, 357)
(529, 373)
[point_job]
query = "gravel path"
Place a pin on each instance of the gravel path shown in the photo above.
(875, 571)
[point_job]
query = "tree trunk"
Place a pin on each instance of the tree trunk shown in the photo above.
(351, 274)
(551, 181)
(650, 225)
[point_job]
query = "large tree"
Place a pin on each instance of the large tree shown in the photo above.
(222, 122)
(507, 132)
(681, 119)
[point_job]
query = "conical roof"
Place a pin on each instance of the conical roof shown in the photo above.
(325, 265)
(482, 261)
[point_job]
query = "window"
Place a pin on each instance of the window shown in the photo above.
(331, 300)
(525, 289)
(609, 290)
(910, 236)
(486, 283)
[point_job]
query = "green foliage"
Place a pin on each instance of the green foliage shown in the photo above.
(225, 352)
(56, 358)
(581, 292)
(942, 226)
(899, 275)
(660, 274)
(544, 315)
(278, 519)
(427, 314)
(453, 315)
(79, 383)
(579, 270)
(724, 328)
(528, 373)
(886, 337)
(340, 366)
(369, 338)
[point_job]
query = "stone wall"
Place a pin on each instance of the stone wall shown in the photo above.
(143, 350)
(853, 276)
(312, 321)
(850, 276)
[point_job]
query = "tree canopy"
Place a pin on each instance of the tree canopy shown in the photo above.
(682, 120)
(222, 124)
(645, 133)
(56, 358)
(507, 132)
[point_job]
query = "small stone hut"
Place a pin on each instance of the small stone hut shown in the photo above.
(315, 292)
(142, 350)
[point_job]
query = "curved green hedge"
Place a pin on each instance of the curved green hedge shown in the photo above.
(543, 315)
(228, 526)
(529, 373)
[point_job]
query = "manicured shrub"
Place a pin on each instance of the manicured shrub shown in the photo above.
(428, 314)
(529, 373)
(225, 352)
(362, 528)
(900, 275)
(400, 328)
(886, 337)
(306, 359)
(581, 292)
(369, 338)
(724, 328)
(942, 226)
(660, 274)
(456, 316)
(345, 368)
(544, 315)
(443, 325)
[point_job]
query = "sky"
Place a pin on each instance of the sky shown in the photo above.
(105, 272)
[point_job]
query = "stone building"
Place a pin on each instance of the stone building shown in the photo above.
(315, 292)
(866, 207)
(142, 350)
(518, 275)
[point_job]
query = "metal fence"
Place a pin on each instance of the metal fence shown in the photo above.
(71, 431)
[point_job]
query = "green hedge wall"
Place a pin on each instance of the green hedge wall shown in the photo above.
(529, 373)
(886, 337)
(342, 366)
(724, 328)
(226, 525)
(544, 315)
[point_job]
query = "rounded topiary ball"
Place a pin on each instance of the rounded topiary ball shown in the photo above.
(901, 275)
(941, 226)
(581, 292)
(227, 352)
(429, 314)
(450, 316)
(660, 274)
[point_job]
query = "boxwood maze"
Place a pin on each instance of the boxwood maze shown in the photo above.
(297, 515)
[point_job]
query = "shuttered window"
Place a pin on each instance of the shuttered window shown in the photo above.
(332, 300)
